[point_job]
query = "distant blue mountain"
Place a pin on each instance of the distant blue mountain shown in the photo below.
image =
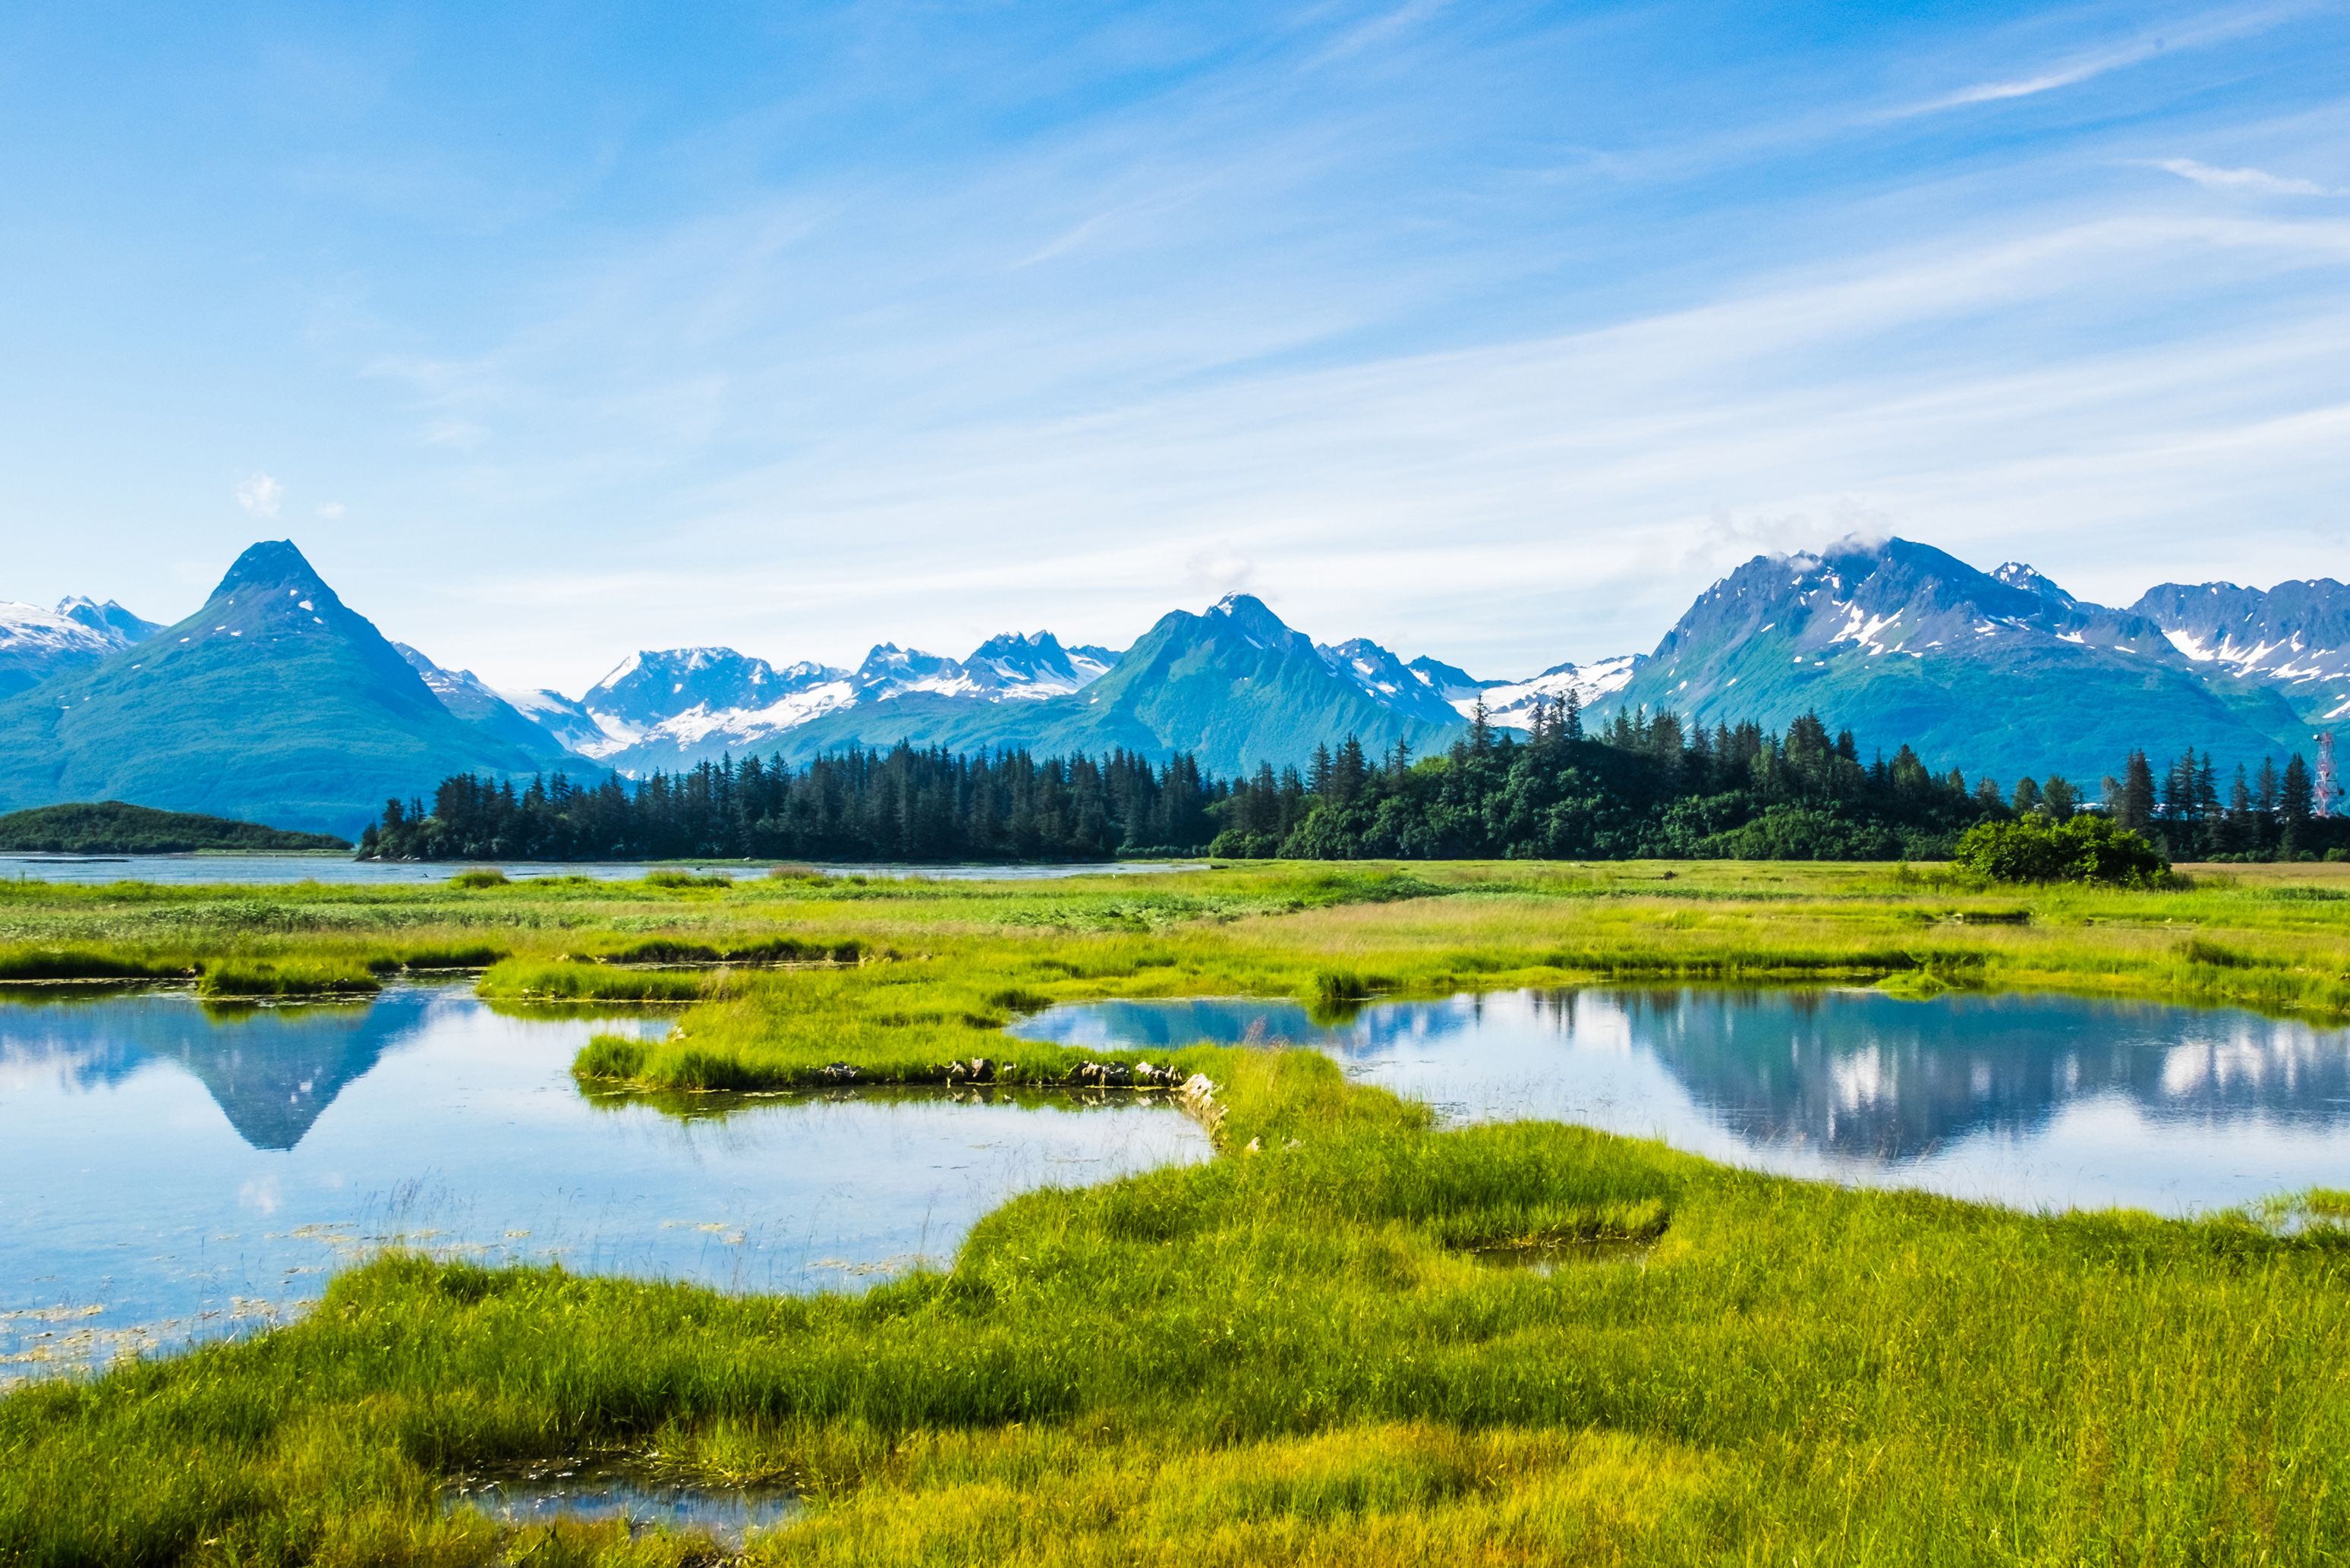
(274, 703)
(2293, 639)
(36, 644)
(2000, 672)
(1235, 688)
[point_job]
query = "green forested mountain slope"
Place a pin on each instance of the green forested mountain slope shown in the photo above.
(2001, 674)
(274, 703)
(1235, 687)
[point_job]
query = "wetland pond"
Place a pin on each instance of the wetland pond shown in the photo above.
(170, 1171)
(2039, 1102)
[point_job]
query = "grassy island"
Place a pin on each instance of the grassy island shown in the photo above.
(1353, 1337)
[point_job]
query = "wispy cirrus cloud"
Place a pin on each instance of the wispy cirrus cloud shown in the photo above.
(2210, 29)
(2256, 182)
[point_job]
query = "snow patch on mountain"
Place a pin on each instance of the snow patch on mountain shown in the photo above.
(1512, 703)
(37, 644)
(1014, 668)
(657, 708)
(574, 728)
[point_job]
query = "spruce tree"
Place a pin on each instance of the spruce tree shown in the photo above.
(2296, 805)
(2134, 808)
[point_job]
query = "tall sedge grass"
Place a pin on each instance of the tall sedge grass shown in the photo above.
(1301, 1352)
(1313, 1348)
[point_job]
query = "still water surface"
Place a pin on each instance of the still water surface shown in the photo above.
(2041, 1102)
(181, 870)
(168, 1171)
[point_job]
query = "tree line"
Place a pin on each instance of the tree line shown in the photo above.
(1642, 786)
(2270, 814)
(899, 804)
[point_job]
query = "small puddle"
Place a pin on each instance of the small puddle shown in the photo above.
(599, 1492)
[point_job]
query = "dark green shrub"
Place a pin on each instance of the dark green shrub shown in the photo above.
(2083, 849)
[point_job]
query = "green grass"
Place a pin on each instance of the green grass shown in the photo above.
(243, 978)
(1302, 1354)
(1321, 1346)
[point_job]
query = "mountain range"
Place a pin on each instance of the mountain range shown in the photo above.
(2003, 671)
(277, 703)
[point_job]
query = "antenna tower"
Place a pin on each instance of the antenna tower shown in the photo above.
(2327, 789)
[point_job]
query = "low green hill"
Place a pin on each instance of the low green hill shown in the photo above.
(112, 827)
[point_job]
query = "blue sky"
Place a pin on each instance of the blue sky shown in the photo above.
(1491, 331)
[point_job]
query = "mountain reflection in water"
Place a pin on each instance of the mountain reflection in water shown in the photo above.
(170, 1171)
(271, 1070)
(2037, 1099)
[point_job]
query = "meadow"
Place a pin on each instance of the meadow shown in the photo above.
(1354, 1337)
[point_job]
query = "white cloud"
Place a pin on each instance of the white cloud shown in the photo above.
(260, 496)
(1220, 570)
(2259, 181)
(331, 510)
(2214, 27)
(1272, 355)
(1380, 28)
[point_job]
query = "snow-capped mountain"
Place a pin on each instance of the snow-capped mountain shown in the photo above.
(275, 701)
(110, 617)
(565, 718)
(1017, 668)
(1386, 679)
(673, 710)
(1235, 687)
(37, 644)
(676, 708)
(2294, 637)
(1999, 671)
(2017, 575)
(662, 705)
(1512, 703)
(469, 698)
(889, 670)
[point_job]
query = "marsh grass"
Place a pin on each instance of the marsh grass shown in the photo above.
(521, 980)
(230, 979)
(43, 964)
(1298, 1354)
(1303, 1350)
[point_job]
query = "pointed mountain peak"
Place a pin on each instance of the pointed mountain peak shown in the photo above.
(2018, 575)
(1009, 644)
(109, 617)
(272, 564)
(1252, 619)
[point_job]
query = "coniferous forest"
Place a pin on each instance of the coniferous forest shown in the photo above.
(1641, 787)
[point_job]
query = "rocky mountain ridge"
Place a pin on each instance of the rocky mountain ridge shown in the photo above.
(2001, 671)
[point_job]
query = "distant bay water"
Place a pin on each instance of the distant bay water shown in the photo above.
(185, 869)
